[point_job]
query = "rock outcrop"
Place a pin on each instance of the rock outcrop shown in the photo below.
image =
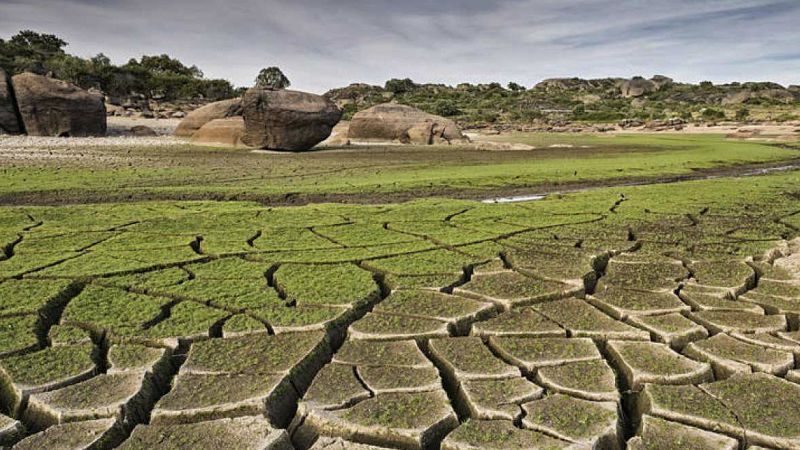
(51, 107)
(9, 116)
(287, 120)
(201, 116)
(637, 87)
(221, 133)
(403, 124)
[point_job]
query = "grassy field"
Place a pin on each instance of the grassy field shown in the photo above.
(439, 322)
(371, 174)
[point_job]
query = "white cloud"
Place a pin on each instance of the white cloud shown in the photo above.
(330, 43)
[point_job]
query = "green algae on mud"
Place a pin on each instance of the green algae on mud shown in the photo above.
(235, 308)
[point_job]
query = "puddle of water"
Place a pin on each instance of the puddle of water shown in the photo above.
(772, 169)
(534, 197)
(516, 199)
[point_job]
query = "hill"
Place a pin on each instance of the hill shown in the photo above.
(562, 100)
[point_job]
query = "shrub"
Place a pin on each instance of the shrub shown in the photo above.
(712, 114)
(742, 114)
(446, 108)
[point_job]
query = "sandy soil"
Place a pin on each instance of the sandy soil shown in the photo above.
(121, 125)
(784, 129)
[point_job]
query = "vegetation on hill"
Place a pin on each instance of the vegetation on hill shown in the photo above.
(574, 99)
(156, 77)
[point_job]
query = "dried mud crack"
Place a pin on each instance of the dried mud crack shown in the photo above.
(588, 323)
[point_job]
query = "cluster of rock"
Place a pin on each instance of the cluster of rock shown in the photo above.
(297, 121)
(627, 88)
(142, 108)
(639, 87)
(42, 106)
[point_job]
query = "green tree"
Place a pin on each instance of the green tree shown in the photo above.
(398, 86)
(272, 78)
(29, 51)
(164, 64)
(512, 86)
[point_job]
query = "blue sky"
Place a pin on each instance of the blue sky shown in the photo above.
(331, 43)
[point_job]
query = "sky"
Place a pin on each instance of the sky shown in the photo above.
(324, 44)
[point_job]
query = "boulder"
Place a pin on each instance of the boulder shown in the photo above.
(9, 116)
(201, 116)
(661, 82)
(51, 107)
(339, 136)
(142, 131)
(736, 97)
(637, 87)
(114, 110)
(221, 133)
(400, 123)
(287, 120)
(777, 95)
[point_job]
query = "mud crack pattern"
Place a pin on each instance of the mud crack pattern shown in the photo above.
(598, 323)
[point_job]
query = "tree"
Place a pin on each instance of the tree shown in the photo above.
(29, 51)
(101, 60)
(33, 42)
(398, 86)
(272, 78)
(512, 86)
(164, 64)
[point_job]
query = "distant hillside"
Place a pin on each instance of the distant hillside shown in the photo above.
(574, 99)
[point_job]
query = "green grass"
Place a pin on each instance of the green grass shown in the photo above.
(336, 284)
(179, 172)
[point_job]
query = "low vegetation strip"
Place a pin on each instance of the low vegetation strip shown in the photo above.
(64, 175)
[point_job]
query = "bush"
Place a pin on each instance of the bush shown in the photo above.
(742, 114)
(712, 114)
(446, 108)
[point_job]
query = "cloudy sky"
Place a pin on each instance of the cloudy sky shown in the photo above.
(323, 44)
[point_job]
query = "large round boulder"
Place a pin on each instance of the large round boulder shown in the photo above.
(403, 124)
(287, 120)
(221, 133)
(51, 107)
(212, 111)
(9, 117)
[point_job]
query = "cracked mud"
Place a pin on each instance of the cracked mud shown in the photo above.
(434, 324)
